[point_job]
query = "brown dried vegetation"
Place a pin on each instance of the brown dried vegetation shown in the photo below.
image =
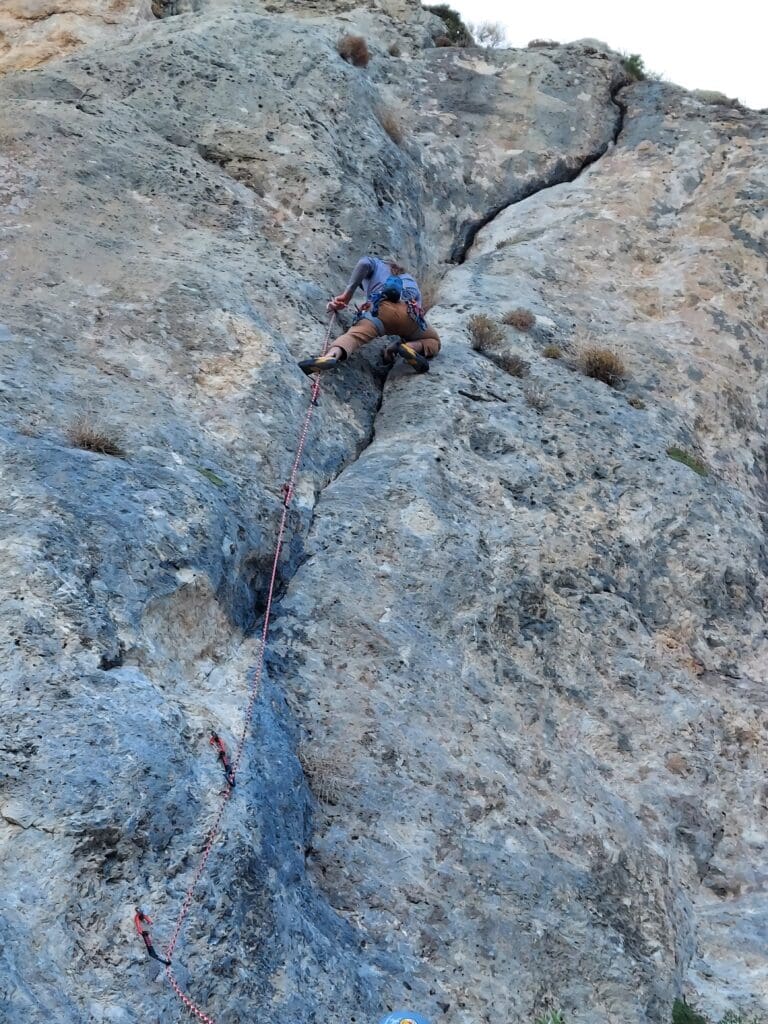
(522, 319)
(485, 333)
(391, 125)
(354, 50)
(91, 437)
(604, 365)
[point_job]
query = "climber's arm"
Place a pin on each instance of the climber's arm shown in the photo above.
(364, 268)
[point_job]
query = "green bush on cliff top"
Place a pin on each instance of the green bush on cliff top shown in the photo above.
(455, 29)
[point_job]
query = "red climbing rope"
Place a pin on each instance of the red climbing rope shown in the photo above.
(232, 769)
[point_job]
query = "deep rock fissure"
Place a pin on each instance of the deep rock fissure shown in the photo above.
(284, 580)
(562, 173)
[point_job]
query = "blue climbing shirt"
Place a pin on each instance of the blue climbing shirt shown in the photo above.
(370, 275)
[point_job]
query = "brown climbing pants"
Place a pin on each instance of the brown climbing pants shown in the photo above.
(394, 316)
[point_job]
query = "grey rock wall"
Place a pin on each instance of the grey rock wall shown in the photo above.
(509, 750)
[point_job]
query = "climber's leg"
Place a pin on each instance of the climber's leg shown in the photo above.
(349, 342)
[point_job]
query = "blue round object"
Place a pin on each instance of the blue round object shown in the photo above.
(404, 1017)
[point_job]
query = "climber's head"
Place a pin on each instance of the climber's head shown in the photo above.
(397, 269)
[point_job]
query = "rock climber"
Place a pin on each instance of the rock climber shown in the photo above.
(392, 306)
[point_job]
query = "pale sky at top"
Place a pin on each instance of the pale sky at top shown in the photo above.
(701, 45)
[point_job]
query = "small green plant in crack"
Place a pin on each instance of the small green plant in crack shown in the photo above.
(553, 1017)
(634, 65)
(687, 459)
(682, 1013)
(485, 332)
(210, 475)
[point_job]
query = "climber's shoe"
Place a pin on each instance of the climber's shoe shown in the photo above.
(319, 364)
(415, 359)
(389, 354)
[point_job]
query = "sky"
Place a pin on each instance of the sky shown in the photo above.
(720, 46)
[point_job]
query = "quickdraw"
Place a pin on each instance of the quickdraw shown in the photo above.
(221, 750)
(140, 919)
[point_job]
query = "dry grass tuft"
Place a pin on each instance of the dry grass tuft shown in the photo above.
(391, 125)
(522, 319)
(512, 364)
(91, 437)
(354, 50)
(604, 365)
(325, 775)
(536, 396)
(552, 352)
(635, 402)
(429, 285)
(485, 332)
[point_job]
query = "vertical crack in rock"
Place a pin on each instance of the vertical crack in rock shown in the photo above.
(563, 172)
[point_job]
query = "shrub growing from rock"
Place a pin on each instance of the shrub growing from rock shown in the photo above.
(512, 363)
(552, 352)
(521, 319)
(536, 396)
(430, 283)
(391, 125)
(354, 50)
(485, 333)
(635, 67)
(682, 1013)
(455, 30)
(91, 437)
(604, 365)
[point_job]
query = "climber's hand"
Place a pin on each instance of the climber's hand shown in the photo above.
(339, 302)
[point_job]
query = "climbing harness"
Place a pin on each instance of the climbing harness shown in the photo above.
(231, 768)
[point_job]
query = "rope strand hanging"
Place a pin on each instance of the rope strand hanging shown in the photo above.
(231, 768)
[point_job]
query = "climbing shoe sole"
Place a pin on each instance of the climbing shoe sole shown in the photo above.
(319, 364)
(415, 359)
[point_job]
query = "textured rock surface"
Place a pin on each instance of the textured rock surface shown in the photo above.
(519, 655)
(33, 32)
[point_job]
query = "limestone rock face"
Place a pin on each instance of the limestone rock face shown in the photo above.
(33, 32)
(509, 749)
